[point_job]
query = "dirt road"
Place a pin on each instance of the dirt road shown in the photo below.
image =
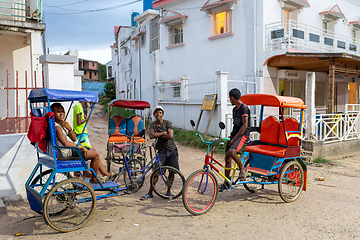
(329, 209)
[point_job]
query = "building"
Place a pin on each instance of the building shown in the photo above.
(90, 69)
(262, 46)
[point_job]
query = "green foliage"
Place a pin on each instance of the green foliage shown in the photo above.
(109, 90)
(102, 72)
(321, 160)
(188, 138)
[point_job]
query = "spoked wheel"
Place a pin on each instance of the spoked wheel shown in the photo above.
(167, 182)
(135, 167)
(291, 181)
(69, 205)
(200, 192)
(44, 177)
(139, 157)
(252, 187)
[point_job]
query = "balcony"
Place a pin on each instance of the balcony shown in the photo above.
(291, 35)
(21, 10)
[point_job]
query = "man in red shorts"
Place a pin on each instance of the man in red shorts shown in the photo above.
(238, 136)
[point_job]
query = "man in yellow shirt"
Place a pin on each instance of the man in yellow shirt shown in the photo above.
(79, 120)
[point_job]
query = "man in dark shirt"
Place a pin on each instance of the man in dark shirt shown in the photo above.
(238, 136)
(165, 145)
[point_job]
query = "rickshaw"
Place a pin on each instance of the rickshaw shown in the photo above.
(118, 130)
(67, 203)
(273, 159)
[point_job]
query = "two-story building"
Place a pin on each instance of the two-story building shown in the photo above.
(90, 69)
(262, 46)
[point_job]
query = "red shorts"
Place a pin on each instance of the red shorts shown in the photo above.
(238, 144)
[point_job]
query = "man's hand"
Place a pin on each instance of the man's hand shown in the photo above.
(84, 150)
(66, 125)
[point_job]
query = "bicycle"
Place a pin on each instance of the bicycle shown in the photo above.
(166, 181)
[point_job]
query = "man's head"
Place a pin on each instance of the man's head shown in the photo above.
(234, 95)
(59, 112)
(158, 113)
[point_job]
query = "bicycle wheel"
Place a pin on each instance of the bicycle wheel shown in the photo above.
(44, 177)
(135, 185)
(167, 182)
(252, 187)
(200, 192)
(78, 199)
(291, 181)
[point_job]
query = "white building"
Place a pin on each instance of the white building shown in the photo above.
(262, 46)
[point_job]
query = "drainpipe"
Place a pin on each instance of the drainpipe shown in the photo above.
(140, 65)
(255, 36)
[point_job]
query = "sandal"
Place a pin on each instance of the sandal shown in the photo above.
(103, 179)
(146, 197)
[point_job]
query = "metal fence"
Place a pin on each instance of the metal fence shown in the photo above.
(21, 10)
(292, 34)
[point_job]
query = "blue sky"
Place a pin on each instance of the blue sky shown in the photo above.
(86, 25)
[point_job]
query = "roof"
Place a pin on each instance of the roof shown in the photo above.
(60, 95)
(210, 4)
(333, 13)
(315, 62)
(129, 103)
(355, 23)
(159, 3)
(172, 16)
(273, 101)
(297, 3)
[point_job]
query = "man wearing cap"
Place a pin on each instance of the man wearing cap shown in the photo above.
(165, 145)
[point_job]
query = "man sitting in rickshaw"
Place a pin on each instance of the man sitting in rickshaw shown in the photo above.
(66, 137)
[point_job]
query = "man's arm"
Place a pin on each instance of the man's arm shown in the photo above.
(71, 133)
(78, 119)
(66, 143)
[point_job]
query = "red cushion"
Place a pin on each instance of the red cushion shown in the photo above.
(267, 150)
(269, 132)
(290, 125)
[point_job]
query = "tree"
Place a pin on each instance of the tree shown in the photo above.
(109, 90)
(102, 72)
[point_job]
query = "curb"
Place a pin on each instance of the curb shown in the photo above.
(2, 207)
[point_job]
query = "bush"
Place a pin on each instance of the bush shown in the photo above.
(109, 90)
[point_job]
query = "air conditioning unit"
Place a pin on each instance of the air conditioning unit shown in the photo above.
(288, 74)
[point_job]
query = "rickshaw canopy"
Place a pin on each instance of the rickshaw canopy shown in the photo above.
(128, 103)
(60, 95)
(273, 101)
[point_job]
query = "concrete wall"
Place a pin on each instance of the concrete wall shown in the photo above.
(17, 159)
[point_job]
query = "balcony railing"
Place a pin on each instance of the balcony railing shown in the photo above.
(21, 10)
(294, 35)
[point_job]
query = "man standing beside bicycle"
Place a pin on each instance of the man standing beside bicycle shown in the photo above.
(238, 136)
(163, 131)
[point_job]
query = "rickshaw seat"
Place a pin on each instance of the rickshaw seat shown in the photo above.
(47, 158)
(119, 127)
(272, 136)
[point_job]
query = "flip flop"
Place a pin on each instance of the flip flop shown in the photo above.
(103, 179)
(146, 197)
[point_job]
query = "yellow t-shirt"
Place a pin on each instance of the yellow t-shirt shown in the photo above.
(78, 128)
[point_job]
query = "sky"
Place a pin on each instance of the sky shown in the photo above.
(86, 26)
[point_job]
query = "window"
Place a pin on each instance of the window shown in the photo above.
(136, 44)
(176, 34)
(221, 22)
(176, 91)
(93, 64)
(143, 40)
(354, 35)
(154, 34)
(325, 27)
(110, 71)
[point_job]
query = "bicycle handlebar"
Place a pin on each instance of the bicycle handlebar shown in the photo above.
(197, 134)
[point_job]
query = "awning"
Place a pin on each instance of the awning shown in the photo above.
(273, 101)
(215, 4)
(60, 95)
(172, 17)
(333, 13)
(355, 24)
(295, 4)
(129, 103)
(316, 62)
(136, 37)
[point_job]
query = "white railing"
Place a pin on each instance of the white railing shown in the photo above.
(198, 90)
(291, 34)
(337, 127)
(169, 92)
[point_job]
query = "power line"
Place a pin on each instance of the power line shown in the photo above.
(68, 4)
(94, 10)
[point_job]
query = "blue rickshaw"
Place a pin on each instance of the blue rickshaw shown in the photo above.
(67, 203)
